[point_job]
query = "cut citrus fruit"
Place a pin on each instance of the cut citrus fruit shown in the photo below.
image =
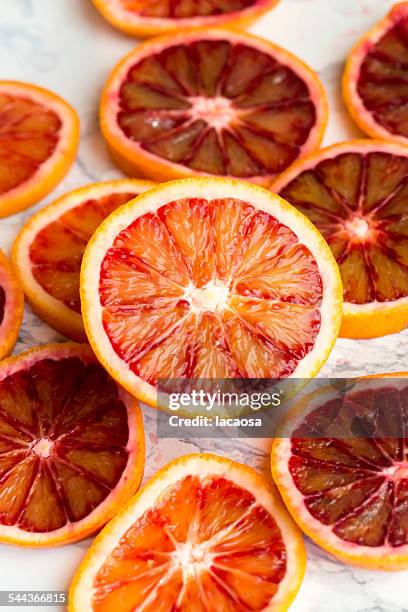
(209, 278)
(211, 102)
(355, 193)
(71, 446)
(375, 82)
(159, 16)
(38, 142)
(349, 495)
(48, 251)
(11, 307)
(205, 534)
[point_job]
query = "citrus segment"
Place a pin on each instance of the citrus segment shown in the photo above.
(375, 81)
(231, 282)
(157, 16)
(38, 142)
(355, 194)
(205, 533)
(11, 307)
(349, 494)
(71, 446)
(211, 102)
(48, 251)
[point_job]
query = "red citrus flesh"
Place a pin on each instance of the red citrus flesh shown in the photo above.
(242, 551)
(29, 135)
(57, 249)
(383, 80)
(39, 136)
(64, 442)
(183, 9)
(2, 304)
(248, 116)
(356, 195)
(210, 288)
(11, 307)
(217, 103)
(148, 18)
(357, 486)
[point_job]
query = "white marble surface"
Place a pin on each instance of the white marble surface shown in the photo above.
(66, 46)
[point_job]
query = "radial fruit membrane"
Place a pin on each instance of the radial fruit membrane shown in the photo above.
(212, 103)
(183, 8)
(210, 288)
(363, 500)
(11, 307)
(155, 16)
(208, 278)
(376, 78)
(350, 494)
(206, 549)
(356, 193)
(48, 251)
(236, 111)
(363, 220)
(29, 135)
(198, 542)
(56, 467)
(65, 445)
(2, 304)
(56, 251)
(38, 140)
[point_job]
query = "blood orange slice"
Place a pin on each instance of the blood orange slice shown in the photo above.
(11, 307)
(38, 142)
(355, 193)
(205, 533)
(71, 446)
(349, 494)
(48, 251)
(158, 16)
(211, 102)
(208, 278)
(375, 82)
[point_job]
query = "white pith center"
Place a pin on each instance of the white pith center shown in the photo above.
(358, 228)
(397, 471)
(213, 297)
(216, 112)
(192, 558)
(43, 448)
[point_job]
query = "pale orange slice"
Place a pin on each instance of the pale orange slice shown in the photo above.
(71, 446)
(211, 102)
(209, 278)
(39, 134)
(48, 251)
(355, 193)
(142, 19)
(349, 494)
(11, 307)
(205, 534)
(375, 81)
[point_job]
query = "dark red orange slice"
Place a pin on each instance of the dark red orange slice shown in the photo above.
(354, 192)
(350, 494)
(48, 251)
(211, 102)
(152, 17)
(204, 534)
(39, 136)
(11, 307)
(375, 81)
(208, 278)
(71, 446)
